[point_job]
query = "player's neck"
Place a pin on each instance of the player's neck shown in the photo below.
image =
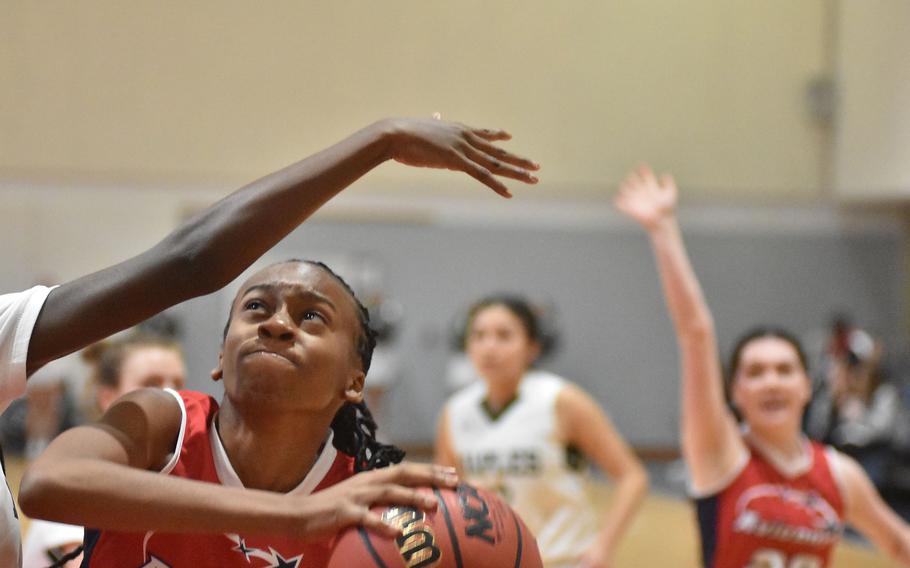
(273, 454)
(501, 393)
(785, 444)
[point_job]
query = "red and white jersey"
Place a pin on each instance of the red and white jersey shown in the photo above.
(767, 518)
(200, 455)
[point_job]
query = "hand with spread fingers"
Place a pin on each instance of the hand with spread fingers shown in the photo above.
(646, 198)
(435, 143)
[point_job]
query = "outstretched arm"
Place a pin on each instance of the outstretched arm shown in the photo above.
(215, 246)
(711, 442)
(88, 476)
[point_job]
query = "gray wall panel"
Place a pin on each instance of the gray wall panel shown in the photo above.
(616, 338)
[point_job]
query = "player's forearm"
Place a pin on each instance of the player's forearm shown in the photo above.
(226, 238)
(206, 252)
(627, 498)
(892, 537)
(685, 300)
(706, 424)
(104, 495)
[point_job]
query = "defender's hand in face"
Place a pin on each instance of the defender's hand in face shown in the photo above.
(433, 143)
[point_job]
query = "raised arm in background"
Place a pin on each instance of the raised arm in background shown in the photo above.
(711, 442)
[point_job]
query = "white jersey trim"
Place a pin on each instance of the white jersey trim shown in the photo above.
(790, 468)
(13, 372)
(172, 461)
(228, 476)
(178, 447)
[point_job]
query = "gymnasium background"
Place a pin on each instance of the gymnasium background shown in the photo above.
(787, 125)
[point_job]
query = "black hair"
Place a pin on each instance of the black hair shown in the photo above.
(519, 306)
(534, 319)
(353, 426)
(758, 333)
(355, 435)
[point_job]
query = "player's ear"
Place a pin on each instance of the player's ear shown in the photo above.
(353, 390)
(218, 372)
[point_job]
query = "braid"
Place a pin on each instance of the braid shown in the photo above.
(60, 562)
(355, 435)
(354, 426)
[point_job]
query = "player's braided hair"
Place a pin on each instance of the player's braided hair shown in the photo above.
(354, 427)
(355, 434)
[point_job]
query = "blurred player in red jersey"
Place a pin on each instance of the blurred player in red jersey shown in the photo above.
(766, 496)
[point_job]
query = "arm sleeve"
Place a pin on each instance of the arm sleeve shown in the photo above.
(18, 314)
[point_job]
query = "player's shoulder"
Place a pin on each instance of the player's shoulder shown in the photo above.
(846, 470)
(544, 382)
(553, 389)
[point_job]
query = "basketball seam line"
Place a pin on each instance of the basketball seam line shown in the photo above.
(453, 538)
(518, 530)
(370, 549)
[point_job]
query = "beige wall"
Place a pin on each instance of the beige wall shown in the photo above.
(873, 139)
(217, 92)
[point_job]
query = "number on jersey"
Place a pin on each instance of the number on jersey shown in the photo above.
(769, 558)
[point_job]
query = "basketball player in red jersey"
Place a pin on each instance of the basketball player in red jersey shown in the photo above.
(765, 495)
(294, 359)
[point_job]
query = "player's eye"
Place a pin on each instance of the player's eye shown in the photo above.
(254, 305)
(313, 315)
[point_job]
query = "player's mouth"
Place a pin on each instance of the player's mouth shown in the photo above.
(774, 405)
(274, 355)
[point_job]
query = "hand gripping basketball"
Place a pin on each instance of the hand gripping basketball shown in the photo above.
(470, 528)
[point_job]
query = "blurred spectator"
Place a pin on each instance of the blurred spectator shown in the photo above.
(48, 408)
(135, 361)
(857, 411)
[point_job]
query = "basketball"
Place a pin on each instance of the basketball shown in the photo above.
(471, 528)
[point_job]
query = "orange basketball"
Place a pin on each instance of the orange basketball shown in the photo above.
(471, 528)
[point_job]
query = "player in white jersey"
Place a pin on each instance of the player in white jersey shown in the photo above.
(528, 434)
(212, 248)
